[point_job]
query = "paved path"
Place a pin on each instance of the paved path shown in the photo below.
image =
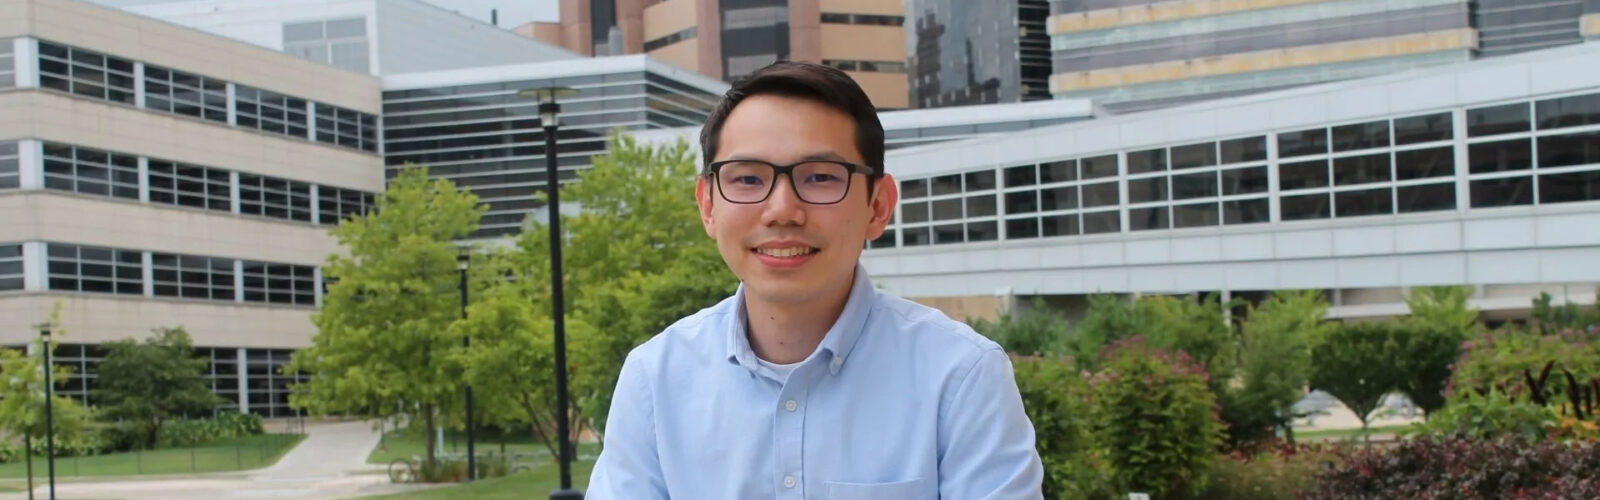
(329, 464)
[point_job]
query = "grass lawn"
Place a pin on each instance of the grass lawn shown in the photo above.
(245, 453)
(1336, 434)
(405, 444)
(536, 483)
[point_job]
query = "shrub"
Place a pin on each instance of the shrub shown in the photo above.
(1034, 330)
(228, 425)
(1491, 416)
(442, 471)
(1275, 475)
(1509, 357)
(1357, 363)
(1155, 419)
(1056, 397)
(1510, 468)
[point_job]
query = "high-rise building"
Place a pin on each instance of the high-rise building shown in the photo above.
(1512, 26)
(964, 53)
(728, 39)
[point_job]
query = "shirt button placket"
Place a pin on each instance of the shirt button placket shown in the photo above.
(790, 428)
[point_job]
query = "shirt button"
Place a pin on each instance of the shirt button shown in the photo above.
(788, 481)
(790, 405)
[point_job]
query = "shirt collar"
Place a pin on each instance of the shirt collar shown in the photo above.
(839, 340)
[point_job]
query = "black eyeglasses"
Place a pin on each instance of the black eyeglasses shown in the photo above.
(818, 182)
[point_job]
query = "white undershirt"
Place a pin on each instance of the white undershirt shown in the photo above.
(782, 370)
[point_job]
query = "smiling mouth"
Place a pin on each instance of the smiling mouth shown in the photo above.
(786, 253)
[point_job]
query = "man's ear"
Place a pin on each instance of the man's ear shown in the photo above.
(702, 197)
(884, 197)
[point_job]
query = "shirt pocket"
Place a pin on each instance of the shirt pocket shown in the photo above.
(903, 490)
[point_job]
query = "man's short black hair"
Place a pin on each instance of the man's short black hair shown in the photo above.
(816, 82)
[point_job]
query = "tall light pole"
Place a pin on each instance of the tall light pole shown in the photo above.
(49, 413)
(550, 118)
(463, 259)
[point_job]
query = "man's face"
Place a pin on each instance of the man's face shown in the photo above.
(785, 249)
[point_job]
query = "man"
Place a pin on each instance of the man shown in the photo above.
(808, 383)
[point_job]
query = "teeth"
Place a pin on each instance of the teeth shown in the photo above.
(784, 252)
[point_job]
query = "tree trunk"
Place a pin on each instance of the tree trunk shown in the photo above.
(427, 419)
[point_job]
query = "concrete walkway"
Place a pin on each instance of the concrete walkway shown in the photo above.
(329, 464)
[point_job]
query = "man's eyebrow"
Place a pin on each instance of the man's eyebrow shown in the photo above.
(818, 156)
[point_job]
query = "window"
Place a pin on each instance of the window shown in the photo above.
(1568, 150)
(1485, 157)
(1243, 150)
(670, 39)
(185, 185)
(1303, 175)
(1190, 186)
(1244, 180)
(279, 283)
(337, 204)
(1568, 111)
(269, 111)
(914, 188)
(1147, 190)
(1424, 163)
(1426, 198)
(983, 231)
(1361, 169)
(192, 277)
(85, 73)
(1022, 175)
(1102, 222)
(185, 94)
(1194, 155)
(8, 72)
(867, 66)
(1507, 192)
(1302, 143)
(1363, 202)
(10, 173)
(862, 19)
(1419, 129)
(1144, 219)
(884, 241)
(1022, 202)
(949, 209)
(1553, 188)
(11, 267)
(1361, 136)
(754, 17)
(1023, 228)
(274, 197)
(338, 42)
(948, 233)
(981, 206)
(1153, 160)
(348, 128)
(1100, 195)
(1494, 120)
(91, 171)
(1099, 166)
(912, 213)
(1059, 225)
(1311, 206)
(1060, 198)
(980, 181)
(94, 269)
(947, 184)
(916, 236)
(1058, 171)
(1245, 211)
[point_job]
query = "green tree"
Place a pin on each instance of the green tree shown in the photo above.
(148, 383)
(1059, 404)
(1444, 307)
(1274, 364)
(1430, 340)
(1154, 420)
(1359, 364)
(22, 396)
(384, 346)
(1110, 318)
(1028, 331)
(1195, 326)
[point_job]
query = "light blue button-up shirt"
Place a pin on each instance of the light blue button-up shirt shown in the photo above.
(898, 402)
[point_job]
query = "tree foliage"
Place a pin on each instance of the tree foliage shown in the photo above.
(1274, 363)
(1155, 419)
(150, 382)
(1035, 330)
(1358, 363)
(22, 395)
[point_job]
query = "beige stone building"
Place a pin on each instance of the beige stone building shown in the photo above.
(156, 176)
(727, 39)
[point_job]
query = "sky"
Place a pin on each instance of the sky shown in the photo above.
(512, 12)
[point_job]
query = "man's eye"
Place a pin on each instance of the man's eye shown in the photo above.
(821, 178)
(747, 180)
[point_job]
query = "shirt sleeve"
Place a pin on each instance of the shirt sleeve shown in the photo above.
(629, 467)
(986, 440)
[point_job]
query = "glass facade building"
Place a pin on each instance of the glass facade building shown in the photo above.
(1512, 26)
(965, 53)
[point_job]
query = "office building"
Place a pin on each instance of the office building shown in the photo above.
(963, 53)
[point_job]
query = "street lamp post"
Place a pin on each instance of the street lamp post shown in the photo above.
(463, 259)
(549, 117)
(49, 414)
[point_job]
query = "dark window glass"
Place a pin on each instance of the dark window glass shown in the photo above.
(1099, 166)
(1424, 163)
(1022, 202)
(947, 209)
(1568, 111)
(914, 188)
(1361, 136)
(1194, 155)
(1501, 192)
(912, 213)
(1493, 120)
(1100, 195)
(1144, 219)
(1303, 175)
(1022, 228)
(1244, 180)
(983, 231)
(91, 171)
(185, 94)
(1569, 149)
(1499, 156)
(1147, 190)
(1190, 186)
(1152, 160)
(1245, 211)
(1061, 198)
(1304, 142)
(1058, 171)
(916, 236)
(1102, 222)
(981, 180)
(1059, 225)
(95, 269)
(1311, 206)
(269, 111)
(980, 206)
(1361, 169)
(1364, 202)
(1565, 188)
(1194, 215)
(884, 241)
(948, 233)
(947, 184)
(1021, 175)
(1425, 128)
(1243, 150)
(1426, 198)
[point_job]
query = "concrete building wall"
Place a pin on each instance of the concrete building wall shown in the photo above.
(97, 319)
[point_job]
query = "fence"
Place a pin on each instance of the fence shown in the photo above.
(245, 453)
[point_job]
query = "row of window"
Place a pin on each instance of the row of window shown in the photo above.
(867, 66)
(10, 166)
(105, 77)
(76, 268)
(863, 19)
(10, 266)
(8, 73)
(103, 173)
(268, 389)
(685, 34)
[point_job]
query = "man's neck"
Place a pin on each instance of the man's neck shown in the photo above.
(785, 333)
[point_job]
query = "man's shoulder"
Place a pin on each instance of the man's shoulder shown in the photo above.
(697, 332)
(908, 318)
